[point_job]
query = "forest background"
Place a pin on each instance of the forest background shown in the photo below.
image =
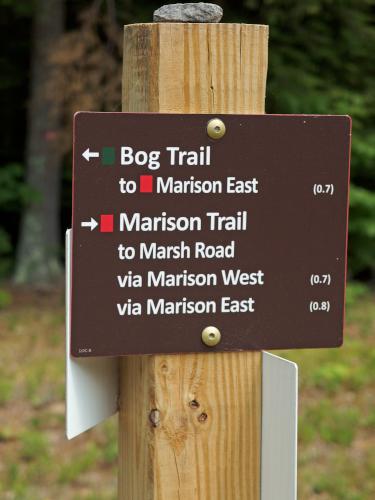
(62, 56)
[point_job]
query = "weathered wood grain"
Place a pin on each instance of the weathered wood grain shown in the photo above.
(190, 424)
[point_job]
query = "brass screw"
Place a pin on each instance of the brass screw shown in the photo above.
(216, 128)
(211, 336)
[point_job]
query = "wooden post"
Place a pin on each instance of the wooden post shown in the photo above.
(190, 424)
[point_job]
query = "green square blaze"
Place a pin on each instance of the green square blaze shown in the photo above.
(108, 155)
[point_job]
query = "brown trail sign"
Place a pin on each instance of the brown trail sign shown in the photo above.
(174, 231)
(192, 236)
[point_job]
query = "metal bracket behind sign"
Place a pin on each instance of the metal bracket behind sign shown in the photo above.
(279, 428)
(91, 383)
(92, 396)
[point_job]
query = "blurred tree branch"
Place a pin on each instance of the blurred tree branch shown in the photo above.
(87, 66)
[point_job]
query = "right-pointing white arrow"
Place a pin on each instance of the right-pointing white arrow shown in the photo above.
(92, 224)
(90, 154)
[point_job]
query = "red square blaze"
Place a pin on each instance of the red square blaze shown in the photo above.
(106, 223)
(146, 184)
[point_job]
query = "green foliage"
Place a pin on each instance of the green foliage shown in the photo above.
(73, 470)
(5, 299)
(362, 229)
(370, 421)
(321, 60)
(5, 252)
(6, 388)
(14, 194)
(23, 8)
(331, 424)
(110, 448)
(332, 376)
(355, 291)
(335, 488)
(34, 445)
(43, 384)
(16, 482)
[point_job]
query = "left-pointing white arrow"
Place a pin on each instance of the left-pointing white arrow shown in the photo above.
(92, 224)
(90, 154)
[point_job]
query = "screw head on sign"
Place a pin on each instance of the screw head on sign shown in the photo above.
(211, 336)
(216, 128)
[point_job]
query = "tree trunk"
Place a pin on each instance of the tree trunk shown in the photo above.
(38, 261)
